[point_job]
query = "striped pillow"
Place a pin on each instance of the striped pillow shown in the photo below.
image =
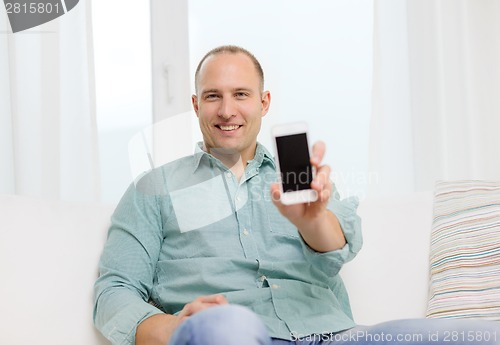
(465, 251)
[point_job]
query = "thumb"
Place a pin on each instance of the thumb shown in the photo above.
(276, 194)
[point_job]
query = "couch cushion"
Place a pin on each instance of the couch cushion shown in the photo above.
(49, 252)
(465, 251)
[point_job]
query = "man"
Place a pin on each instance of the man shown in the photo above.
(206, 241)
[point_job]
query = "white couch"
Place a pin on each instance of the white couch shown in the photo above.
(49, 252)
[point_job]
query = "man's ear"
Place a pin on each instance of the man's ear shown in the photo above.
(266, 102)
(194, 101)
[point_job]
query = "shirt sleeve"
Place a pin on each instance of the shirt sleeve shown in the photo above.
(350, 222)
(127, 266)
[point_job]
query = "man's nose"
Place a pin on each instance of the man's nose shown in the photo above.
(227, 108)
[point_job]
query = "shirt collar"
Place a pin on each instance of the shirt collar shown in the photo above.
(262, 155)
(199, 153)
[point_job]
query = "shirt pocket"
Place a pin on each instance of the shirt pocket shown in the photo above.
(201, 206)
(278, 224)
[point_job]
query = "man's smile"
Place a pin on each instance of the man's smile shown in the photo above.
(227, 128)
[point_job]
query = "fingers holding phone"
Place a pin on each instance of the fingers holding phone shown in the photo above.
(321, 183)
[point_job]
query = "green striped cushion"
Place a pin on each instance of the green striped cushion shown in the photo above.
(465, 251)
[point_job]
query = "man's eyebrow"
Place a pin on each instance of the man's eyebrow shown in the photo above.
(236, 89)
(242, 89)
(210, 91)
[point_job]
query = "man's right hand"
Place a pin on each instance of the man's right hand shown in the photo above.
(158, 328)
(201, 303)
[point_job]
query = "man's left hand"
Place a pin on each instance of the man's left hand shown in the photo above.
(318, 226)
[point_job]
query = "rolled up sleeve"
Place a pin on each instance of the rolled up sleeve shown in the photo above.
(119, 312)
(127, 266)
(350, 222)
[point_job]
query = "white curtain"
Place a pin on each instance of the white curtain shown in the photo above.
(48, 132)
(436, 93)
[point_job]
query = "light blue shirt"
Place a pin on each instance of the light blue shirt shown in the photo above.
(190, 228)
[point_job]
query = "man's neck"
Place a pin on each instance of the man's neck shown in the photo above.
(234, 161)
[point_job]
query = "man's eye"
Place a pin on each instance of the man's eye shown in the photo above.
(241, 94)
(211, 96)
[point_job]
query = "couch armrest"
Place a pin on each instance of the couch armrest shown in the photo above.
(49, 252)
(389, 278)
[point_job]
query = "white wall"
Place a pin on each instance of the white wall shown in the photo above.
(317, 60)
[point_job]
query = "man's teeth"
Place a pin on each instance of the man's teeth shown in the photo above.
(229, 128)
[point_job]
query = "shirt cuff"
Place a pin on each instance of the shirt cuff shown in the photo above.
(122, 327)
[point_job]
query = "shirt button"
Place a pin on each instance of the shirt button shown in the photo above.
(245, 232)
(228, 174)
(275, 286)
(238, 198)
(262, 278)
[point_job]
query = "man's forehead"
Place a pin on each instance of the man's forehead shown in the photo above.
(222, 59)
(236, 70)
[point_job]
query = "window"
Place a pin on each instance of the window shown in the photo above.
(122, 51)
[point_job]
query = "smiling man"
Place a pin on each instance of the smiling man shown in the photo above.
(206, 235)
(201, 251)
(230, 104)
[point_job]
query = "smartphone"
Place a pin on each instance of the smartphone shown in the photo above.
(293, 163)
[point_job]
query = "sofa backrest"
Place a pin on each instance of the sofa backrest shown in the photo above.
(49, 252)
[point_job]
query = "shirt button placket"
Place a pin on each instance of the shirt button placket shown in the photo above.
(248, 244)
(242, 202)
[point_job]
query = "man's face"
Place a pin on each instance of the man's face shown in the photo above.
(229, 104)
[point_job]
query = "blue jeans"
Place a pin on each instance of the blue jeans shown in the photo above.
(236, 325)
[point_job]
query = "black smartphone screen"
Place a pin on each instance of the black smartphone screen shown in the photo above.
(294, 162)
